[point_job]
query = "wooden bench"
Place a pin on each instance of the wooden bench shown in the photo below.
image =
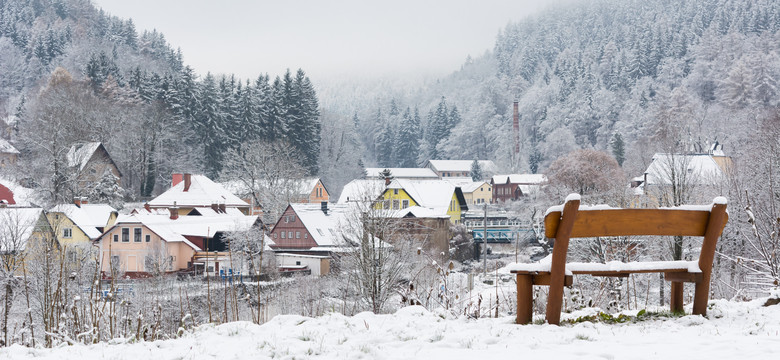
(567, 221)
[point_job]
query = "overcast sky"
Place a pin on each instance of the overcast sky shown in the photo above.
(327, 39)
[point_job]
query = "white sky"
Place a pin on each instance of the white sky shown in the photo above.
(327, 39)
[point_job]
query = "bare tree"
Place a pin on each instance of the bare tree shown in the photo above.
(269, 172)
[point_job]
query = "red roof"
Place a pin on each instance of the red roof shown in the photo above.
(7, 195)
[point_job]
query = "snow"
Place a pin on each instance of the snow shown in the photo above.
(433, 194)
(402, 173)
(88, 217)
(525, 179)
(460, 165)
(573, 197)
(732, 330)
(702, 169)
(79, 154)
(365, 190)
(7, 148)
(17, 223)
(202, 192)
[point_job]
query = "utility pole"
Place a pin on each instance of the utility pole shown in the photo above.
(484, 243)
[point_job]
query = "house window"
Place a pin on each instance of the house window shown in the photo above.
(297, 263)
(289, 235)
(137, 234)
(305, 235)
(297, 234)
(387, 204)
(148, 238)
(396, 204)
(274, 235)
(283, 234)
(67, 233)
(395, 191)
(116, 238)
(404, 204)
(125, 235)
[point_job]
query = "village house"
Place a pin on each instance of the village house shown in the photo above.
(514, 186)
(364, 191)
(155, 241)
(76, 226)
(8, 153)
(20, 228)
(707, 171)
(313, 230)
(476, 193)
(441, 197)
(459, 168)
(401, 173)
(189, 191)
(310, 191)
(91, 162)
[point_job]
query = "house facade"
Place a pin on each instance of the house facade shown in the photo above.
(8, 153)
(91, 163)
(477, 193)
(515, 186)
(441, 197)
(458, 168)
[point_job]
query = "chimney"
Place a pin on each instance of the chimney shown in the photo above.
(324, 207)
(147, 207)
(215, 207)
(78, 201)
(516, 129)
(222, 208)
(174, 210)
(187, 181)
(177, 178)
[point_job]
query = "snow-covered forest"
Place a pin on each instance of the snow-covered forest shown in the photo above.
(601, 87)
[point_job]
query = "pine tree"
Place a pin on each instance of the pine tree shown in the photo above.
(476, 171)
(407, 148)
(618, 148)
(385, 142)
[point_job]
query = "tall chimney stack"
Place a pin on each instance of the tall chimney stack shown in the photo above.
(516, 129)
(187, 181)
(176, 179)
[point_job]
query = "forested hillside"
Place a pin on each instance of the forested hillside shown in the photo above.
(71, 73)
(584, 72)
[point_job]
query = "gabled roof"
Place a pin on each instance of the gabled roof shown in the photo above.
(419, 212)
(88, 217)
(402, 173)
(524, 179)
(7, 148)
(325, 229)
(80, 154)
(17, 224)
(701, 169)
(459, 165)
(433, 194)
(202, 193)
(361, 190)
(21, 195)
(470, 187)
(306, 186)
(176, 230)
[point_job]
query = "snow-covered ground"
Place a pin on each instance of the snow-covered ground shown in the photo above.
(733, 330)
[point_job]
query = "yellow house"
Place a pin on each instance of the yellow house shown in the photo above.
(440, 196)
(479, 192)
(80, 223)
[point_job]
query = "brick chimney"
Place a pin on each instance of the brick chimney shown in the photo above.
(187, 181)
(174, 210)
(80, 200)
(177, 178)
(222, 208)
(215, 207)
(147, 207)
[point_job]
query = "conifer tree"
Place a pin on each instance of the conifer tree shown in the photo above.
(408, 140)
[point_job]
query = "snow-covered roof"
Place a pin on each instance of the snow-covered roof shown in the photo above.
(88, 217)
(7, 148)
(202, 193)
(700, 169)
(460, 165)
(525, 179)
(325, 229)
(433, 194)
(363, 190)
(22, 196)
(420, 212)
(200, 226)
(472, 186)
(402, 173)
(16, 226)
(79, 154)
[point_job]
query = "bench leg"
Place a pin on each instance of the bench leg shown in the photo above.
(525, 298)
(555, 300)
(676, 301)
(701, 296)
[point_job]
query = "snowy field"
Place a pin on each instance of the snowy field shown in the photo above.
(732, 330)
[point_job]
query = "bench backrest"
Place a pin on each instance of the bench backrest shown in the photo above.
(572, 222)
